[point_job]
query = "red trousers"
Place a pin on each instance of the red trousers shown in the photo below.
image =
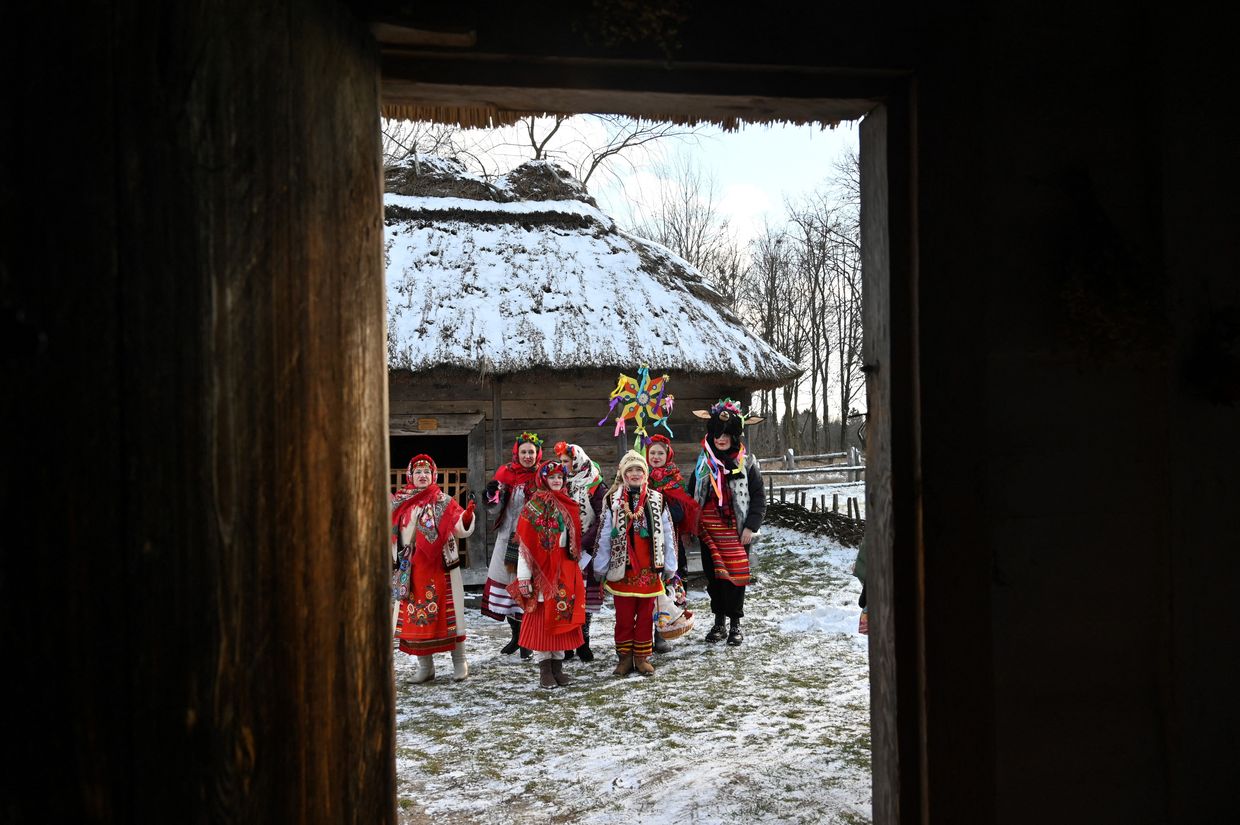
(634, 625)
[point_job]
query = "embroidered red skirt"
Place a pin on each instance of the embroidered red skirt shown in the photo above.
(729, 561)
(427, 622)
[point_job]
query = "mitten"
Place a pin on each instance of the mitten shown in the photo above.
(468, 519)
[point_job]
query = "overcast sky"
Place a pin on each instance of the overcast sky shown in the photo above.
(756, 169)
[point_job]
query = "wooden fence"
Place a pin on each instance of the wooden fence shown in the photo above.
(797, 469)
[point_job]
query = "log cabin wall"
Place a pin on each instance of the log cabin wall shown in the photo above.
(563, 405)
(559, 406)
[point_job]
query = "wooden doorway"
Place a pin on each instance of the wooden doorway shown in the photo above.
(889, 236)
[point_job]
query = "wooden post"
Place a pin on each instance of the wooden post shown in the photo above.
(476, 477)
(790, 462)
(783, 494)
(497, 420)
(854, 459)
(223, 311)
(835, 502)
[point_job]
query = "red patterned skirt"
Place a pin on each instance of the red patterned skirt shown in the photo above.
(426, 622)
(727, 555)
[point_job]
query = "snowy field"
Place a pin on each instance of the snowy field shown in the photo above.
(773, 731)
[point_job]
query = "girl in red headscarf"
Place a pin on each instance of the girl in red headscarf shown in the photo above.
(584, 484)
(506, 495)
(549, 583)
(426, 581)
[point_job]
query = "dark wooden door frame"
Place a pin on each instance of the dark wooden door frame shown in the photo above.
(889, 232)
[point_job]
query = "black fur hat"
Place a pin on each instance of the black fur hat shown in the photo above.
(726, 416)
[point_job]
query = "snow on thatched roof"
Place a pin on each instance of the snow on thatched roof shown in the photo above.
(525, 272)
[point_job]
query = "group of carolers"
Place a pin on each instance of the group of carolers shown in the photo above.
(563, 540)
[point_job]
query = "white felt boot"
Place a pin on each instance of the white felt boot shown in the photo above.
(425, 671)
(460, 667)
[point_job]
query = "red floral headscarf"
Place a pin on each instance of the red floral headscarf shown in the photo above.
(561, 501)
(410, 496)
(669, 481)
(514, 473)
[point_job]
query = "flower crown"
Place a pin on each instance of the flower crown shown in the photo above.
(729, 406)
(529, 438)
(550, 467)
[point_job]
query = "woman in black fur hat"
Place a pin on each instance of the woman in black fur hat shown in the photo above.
(727, 484)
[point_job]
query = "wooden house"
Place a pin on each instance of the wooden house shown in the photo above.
(514, 305)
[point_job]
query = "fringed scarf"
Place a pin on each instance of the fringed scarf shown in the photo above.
(409, 498)
(717, 468)
(585, 479)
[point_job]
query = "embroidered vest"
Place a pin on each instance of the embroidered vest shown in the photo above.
(619, 560)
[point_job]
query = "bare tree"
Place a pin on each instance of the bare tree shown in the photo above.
(809, 295)
(402, 138)
(687, 220)
(593, 144)
(774, 305)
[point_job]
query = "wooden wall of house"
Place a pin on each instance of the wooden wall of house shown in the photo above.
(559, 406)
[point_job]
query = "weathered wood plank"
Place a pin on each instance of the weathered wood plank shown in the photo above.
(215, 647)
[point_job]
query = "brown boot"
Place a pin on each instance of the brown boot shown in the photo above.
(546, 678)
(644, 667)
(557, 670)
(625, 666)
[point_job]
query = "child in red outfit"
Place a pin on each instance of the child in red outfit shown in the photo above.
(636, 554)
(549, 583)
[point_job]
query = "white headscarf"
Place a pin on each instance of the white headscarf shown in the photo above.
(582, 476)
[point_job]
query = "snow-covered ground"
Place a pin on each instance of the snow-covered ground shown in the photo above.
(774, 731)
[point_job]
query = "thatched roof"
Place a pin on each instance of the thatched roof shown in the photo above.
(484, 116)
(525, 272)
